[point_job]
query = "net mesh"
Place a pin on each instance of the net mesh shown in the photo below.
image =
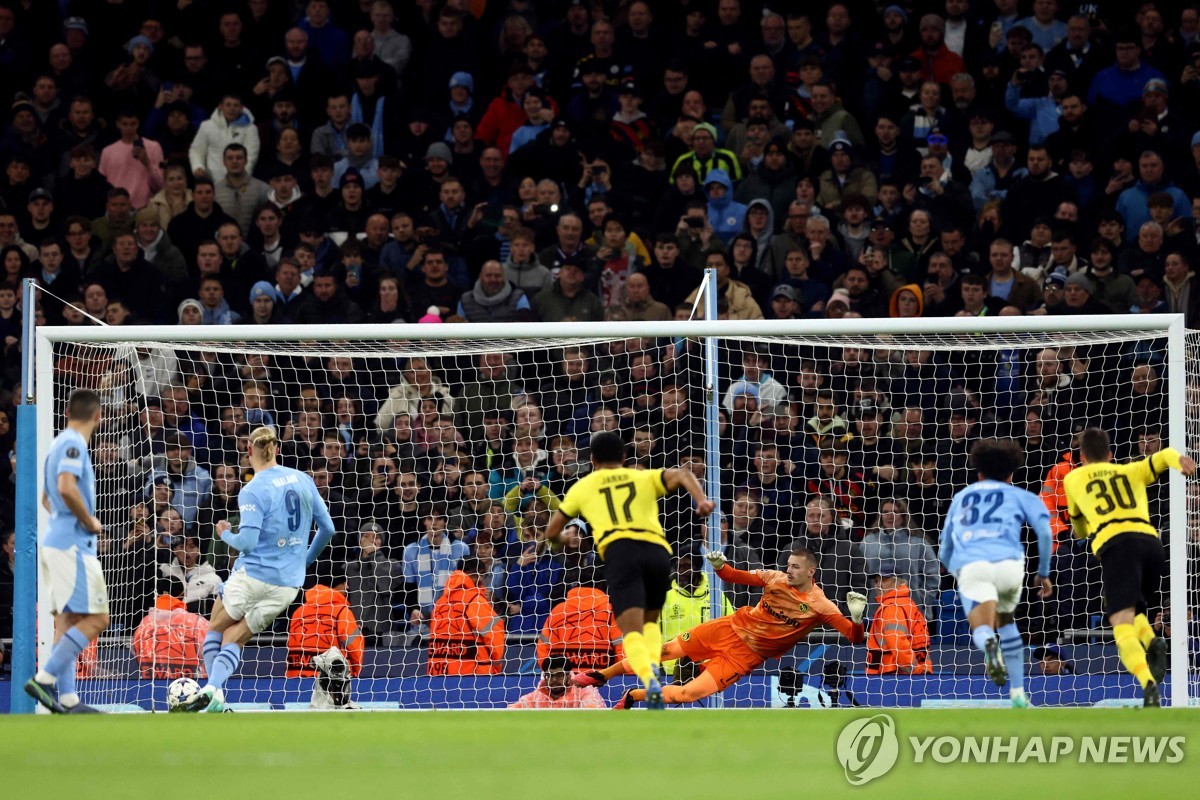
(431, 452)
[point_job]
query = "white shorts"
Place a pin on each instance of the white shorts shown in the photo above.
(981, 581)
(74, 580)
(255, 601)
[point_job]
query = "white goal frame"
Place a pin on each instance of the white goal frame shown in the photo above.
(1168, 326)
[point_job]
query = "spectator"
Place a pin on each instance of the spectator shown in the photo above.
(190, 483)
(910, 555)
(237, 192)
(322, 621)
(428, 564)
(556, 690)
(230, 123)
(189, 577)
(132, 162)
(494, 299)
(898, 642)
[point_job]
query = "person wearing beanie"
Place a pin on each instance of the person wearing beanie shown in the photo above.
(264, 310)
(1078, 298)
(706, 156)
(431, 317)
(190, 312)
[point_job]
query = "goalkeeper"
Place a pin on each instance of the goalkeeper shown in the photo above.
(732, 647)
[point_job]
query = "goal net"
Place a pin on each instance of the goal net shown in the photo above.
(450, 447)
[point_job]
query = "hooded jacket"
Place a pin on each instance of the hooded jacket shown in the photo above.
(894, 300)
(898, 641)
(725, 214)
(325, 620)
(466, 635)
(215, 134)
(582, 628)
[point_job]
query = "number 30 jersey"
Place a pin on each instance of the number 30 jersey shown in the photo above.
(277, 508)
(619, 504)
(1105, 499)
(985, 523)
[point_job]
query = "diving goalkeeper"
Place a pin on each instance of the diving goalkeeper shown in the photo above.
(732, 647)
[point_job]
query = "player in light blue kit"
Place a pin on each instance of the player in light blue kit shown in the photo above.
(70, 569)
(278, 507)
(981, 545)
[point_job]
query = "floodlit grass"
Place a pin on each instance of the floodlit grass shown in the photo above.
(576, 755)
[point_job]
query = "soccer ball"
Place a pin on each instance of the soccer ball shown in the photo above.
(181, 691)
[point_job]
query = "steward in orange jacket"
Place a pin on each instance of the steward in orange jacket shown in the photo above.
(1055, 497)
(169, 641)
(582, 629)
(898, 641)
(466, 635)
(324, 621)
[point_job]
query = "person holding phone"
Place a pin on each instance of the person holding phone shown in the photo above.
(133, 163)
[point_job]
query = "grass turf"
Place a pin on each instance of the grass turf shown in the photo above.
(577, 755)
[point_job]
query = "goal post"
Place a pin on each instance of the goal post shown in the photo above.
(627, 364)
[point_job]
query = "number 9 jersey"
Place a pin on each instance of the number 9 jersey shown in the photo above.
(277, 508)
(1105, 499)
(619, 504)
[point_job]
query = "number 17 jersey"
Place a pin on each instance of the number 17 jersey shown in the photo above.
(619, 504)
(278, 504)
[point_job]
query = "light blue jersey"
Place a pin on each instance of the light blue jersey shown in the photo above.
(69, 454)
(278, 507)
(985, 522)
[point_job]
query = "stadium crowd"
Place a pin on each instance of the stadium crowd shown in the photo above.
(265, 162)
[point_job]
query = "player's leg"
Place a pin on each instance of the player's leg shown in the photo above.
(1121, 574)
(217, 623)
(627, 591)
(656, 575)
(1153, 571)
(670, 652)
(1010, 576)
(77, 587)
(977, 591)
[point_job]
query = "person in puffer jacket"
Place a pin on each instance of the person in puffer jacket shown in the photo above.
(229, 123)
(724, 213)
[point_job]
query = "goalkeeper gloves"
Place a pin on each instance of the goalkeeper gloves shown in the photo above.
(857, 603)
(716, 559)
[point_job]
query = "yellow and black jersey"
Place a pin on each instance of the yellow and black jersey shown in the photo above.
(619, 504)
(1105, 499)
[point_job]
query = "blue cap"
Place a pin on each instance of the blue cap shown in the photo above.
(463, 79)
(887, 569)
(263, 289)
(135, 41)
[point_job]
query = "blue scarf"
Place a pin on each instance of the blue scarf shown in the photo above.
(356, 115)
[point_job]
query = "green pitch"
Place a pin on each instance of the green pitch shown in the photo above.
(575, 755)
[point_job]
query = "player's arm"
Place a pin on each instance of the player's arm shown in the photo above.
(251, 508)
(1148, 470)
(46, 502)
(325, 528)
(1039, 519)
(681, 478)
(68, 490)
(847, 627)
(558, 523)
(731, 575)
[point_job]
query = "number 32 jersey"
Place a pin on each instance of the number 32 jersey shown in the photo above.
(985, 522)
(1111, 498)
(277, 508)
(619, 504)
